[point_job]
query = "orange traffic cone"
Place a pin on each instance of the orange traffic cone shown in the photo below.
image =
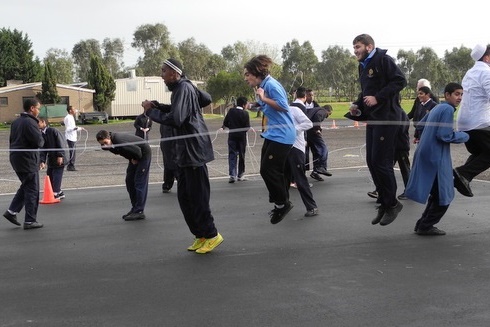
(333, 125)
(356, 124)
(48, 192)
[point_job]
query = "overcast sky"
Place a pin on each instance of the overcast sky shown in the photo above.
(394, 25)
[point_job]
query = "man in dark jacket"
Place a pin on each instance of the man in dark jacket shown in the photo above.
(25, 141)
(191, 151)
(142, 124)
(237, 121)
(54, 157)
(138, 153)
(378, 103)
(316, 143)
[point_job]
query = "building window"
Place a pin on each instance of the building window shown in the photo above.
(4, 101)
(64, 100)
(27, 98)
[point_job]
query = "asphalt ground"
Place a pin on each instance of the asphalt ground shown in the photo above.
(88, 267)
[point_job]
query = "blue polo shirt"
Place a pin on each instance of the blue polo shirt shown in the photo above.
(280, 124)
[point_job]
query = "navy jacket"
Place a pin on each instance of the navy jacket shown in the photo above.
(55, 145)
(190, 144)
(25, 134)
(383, 79)
(238, 122)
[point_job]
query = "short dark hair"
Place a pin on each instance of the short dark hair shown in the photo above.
(69, 108)
(102, 135)
(451, 87)
(300, 92)
(365, 39)
(31, 102)
(425, 89)
(241, 101)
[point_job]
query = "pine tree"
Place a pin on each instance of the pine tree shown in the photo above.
(49, 94)
(102, 82)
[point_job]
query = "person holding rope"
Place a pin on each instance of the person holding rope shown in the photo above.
(237, 120)
(71, 135)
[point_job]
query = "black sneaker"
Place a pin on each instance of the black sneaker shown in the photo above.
(462, 184)
(381, 212)
(434, 231)
(135, 216)
(323, 171)
(10, 217)
(278, 214)
(315, 175)
(373, 194)
(33, 225)
(60, 195)
(311, 213)
(391, 214)
(402, 196)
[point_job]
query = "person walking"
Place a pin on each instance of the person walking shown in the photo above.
(379, 101)
(237, 120)
(25, 140)
(431, 179)
(71, 135)
(474, 118)
(138, 154)
(191, 150)
(279, 133)
(53, 157)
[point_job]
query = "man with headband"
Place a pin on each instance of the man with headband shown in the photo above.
(191, 151)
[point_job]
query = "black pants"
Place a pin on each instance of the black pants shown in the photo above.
(272, 164)
(479, 148)
(193, 193)
(295, 168)
(169, 168)
(236, 156)
(55, 176)
(380, 156)
(433, 211)
(403, 160)
(137, 177)
(27, 195)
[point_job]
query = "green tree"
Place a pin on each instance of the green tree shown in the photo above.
(49, 94)
(102, 82)
(226, 85)
(337, 73)
(82, 53)
(17, 60)
(428, 65)
(406, 60)
(195, 58)
(61, 64)
(458, 61)
(113, 56)
(299, 65)
(154, 41)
